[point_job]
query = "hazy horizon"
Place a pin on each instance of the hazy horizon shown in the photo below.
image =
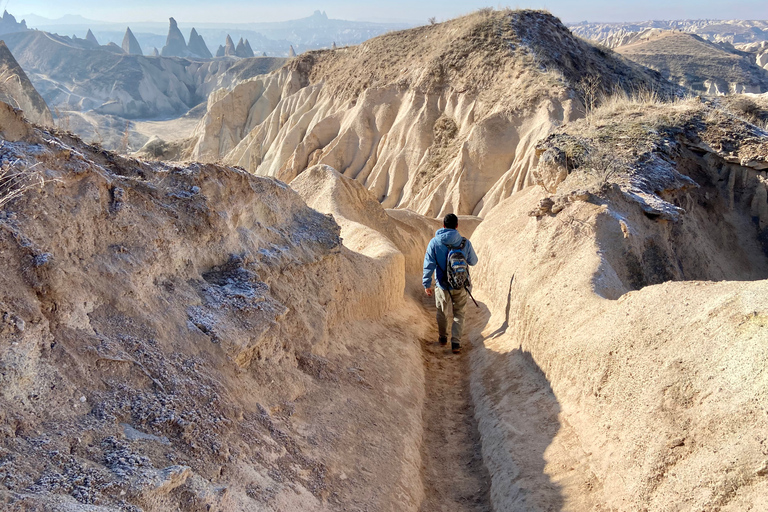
(240, 11)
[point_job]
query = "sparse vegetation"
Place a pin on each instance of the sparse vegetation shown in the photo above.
(16, 179)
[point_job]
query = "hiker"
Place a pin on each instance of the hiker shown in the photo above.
(452, 287)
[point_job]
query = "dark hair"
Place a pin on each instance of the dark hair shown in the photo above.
(451, 221)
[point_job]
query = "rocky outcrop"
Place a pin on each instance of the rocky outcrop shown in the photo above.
(17, 91)
(155, 52)
(91, 38)
(197, 45)
(131, 45)
(229, 47)
(243, 49)
(9, 25)
(213, 352)
(727, 31)
(220, 52)
(291, 52)
(432, 130)
(175, 46)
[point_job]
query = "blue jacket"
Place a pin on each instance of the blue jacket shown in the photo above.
(437, 256)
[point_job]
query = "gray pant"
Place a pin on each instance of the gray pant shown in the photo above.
(458, 298)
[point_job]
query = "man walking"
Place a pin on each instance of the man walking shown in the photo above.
(436, 260)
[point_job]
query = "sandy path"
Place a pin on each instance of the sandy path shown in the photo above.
(455, 478)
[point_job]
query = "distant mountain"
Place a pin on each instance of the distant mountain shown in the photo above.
(731, 31)
(274, 38)
(35, 21)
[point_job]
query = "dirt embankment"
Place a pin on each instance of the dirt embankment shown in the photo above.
(609, 290)
(197, 338)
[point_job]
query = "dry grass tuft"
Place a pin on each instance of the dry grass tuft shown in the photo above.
(16, 179)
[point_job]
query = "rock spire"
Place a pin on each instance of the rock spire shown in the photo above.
(243, 49)
(131, 45)
(175, 46)
(91, 38)
(197, 45)
(229, 47)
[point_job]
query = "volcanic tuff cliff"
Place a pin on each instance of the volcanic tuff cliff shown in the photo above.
(439, 118)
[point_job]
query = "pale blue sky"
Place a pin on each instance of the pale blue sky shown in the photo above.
(233, 11)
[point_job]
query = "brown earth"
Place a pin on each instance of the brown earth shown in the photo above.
(194, 337)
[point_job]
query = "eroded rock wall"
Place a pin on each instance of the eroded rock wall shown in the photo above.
(434, 119)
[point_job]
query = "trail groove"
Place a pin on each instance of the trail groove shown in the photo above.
(455, 478)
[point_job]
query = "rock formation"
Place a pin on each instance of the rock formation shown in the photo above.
(131, 45)
(220, 52)
(434, 134)
(333, 46)
(263, 54)
(175, 46)
(728, 31)
(62, 71)
(91, 38)
(18, 91)
(9, 25)
(229, 47)
(243, 49)
(291, 52)
(155, 52)
(197, 45)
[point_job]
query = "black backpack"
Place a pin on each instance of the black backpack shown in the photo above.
(456, 267)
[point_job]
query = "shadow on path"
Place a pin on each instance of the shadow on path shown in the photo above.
(517, 414)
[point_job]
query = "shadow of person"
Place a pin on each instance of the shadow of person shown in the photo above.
(517, 414)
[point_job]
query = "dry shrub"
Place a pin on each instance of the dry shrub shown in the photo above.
(16, 179)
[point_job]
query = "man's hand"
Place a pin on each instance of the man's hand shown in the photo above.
(428, 291)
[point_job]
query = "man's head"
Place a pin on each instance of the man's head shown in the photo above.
(451, 221)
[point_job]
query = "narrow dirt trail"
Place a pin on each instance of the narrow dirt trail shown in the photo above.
(454, 476)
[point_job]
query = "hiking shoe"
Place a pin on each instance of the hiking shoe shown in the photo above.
(443, 340)
(455, 347)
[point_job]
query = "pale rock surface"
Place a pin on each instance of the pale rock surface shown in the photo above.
(291, 52)
(229, 47)
(432, 131)
(623, 354)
